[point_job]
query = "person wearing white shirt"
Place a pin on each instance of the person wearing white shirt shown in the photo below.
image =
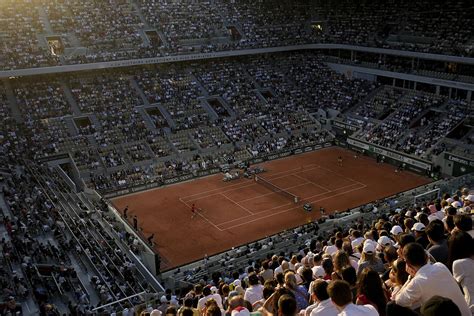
(281, 268)
(357, 239)
(461, 247)
(207, 296)
(324, 307)
(254, 292)
(427, 280)
(341, 296)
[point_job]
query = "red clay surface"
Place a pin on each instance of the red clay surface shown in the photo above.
(240, 211)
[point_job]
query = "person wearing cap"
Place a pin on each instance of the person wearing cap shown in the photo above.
(384, 241)
(396, 231)
(369, 258)
(427, 280)
(341, 295)
(420, 235)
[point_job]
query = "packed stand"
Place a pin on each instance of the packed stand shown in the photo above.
(21, 26)
(87, 31)
(58, 249)
(404, 111)
(411, 260)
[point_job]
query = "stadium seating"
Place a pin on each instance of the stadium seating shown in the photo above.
(131, 128)
(95, 31)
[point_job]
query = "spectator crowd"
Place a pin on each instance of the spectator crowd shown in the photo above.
(412, 260)
(151, 28)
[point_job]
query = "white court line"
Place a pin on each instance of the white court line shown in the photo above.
(238, 184)
(242, 207)
(235, 189)
(282, 205)
(262, 195)
(205, 218)
(340, 175)
(287, 210)
(320, 186)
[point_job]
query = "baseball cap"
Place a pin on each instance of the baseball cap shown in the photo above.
(456, 204)
(385, 241)
(214, 290)
(396, 230)
(368, 248)
(240, 311)
(417, 216)
(318, 272)
(419, 227)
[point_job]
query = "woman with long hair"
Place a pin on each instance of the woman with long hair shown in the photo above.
(461, 263)
(370, 290)
(397, 277)
(298, 291)
(341, 261)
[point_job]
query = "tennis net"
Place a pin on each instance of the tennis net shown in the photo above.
(276, 189)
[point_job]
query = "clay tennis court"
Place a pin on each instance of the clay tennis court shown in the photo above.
(239, 211)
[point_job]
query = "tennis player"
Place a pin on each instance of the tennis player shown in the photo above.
(339, 161)
(193, 210)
